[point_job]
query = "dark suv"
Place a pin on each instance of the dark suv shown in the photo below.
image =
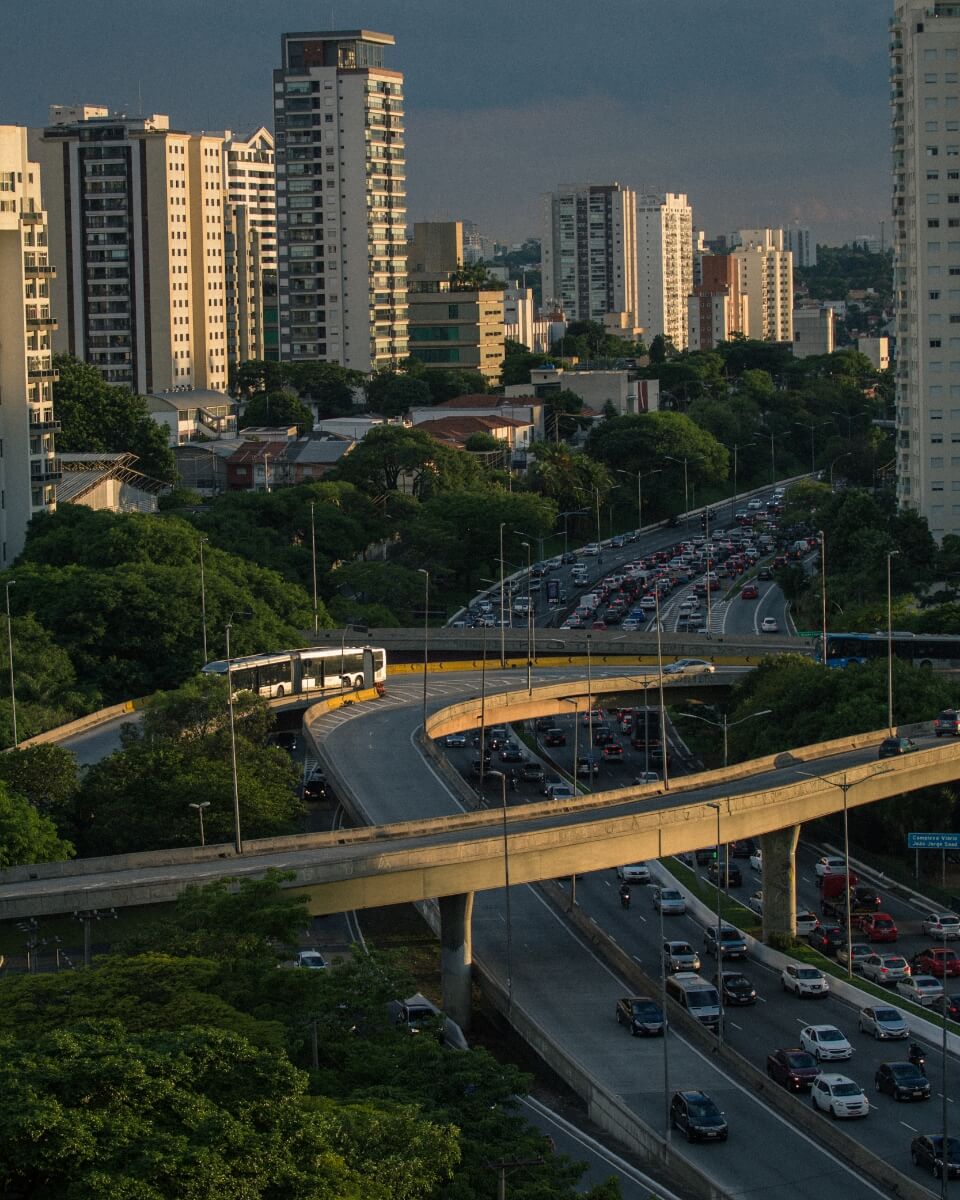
(698, 1117)
(554, 737)
(734, 878)
(532, 772)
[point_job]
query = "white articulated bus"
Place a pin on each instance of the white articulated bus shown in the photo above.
(294, 672)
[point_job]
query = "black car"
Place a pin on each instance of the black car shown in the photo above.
(827, 939)
(794, 1068)
(511, 753)
(568, 558)
(892, 746)
(554, 737)
(734, 877)
(736, 988)
(902, 1081)
(315, 788)
(641, 1016)
(604, 737)
(764, 573)
(532, 772)
(542, 724)
(286, 739)
(588, 764)
(864, 899)
(698, 1117)
(926, 1150)
(480, 768)
(741, 849)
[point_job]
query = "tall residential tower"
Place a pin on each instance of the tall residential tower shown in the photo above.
(589, 251)
(136, 230)
(28, 464)
(341, 200)
(925, 89)
(664, 265)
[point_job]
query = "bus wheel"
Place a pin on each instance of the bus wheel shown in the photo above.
(358, 683)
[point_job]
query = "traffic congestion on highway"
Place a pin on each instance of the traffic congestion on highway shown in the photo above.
(775, 1018)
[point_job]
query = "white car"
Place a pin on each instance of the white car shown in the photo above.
(839, 1096)
(592, 549)
(648, 603)
(313, 960)
(756, 860)
(689, 666)
(755, 502)
(829, 865)
(634, 873)
(756, 903)
(769, 625)
(941, 925)
(921, 989)
(825, 1042)
(807, 922)
(629, 625)
(803, 980)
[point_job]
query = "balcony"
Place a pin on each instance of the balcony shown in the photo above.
(34, 372)
(42, 322)
(31, 218)
(32, 267)
(47, 471)
(42, 426)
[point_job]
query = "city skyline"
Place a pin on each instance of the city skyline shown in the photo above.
(726, 104)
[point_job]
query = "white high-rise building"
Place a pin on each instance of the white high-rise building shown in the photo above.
(29, 468)
(250, 244)
(765, 268)
(341, 200)
(589, 251)
(664, 265)
(136, 229)
(925, 88)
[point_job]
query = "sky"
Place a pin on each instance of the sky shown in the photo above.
(764, 112)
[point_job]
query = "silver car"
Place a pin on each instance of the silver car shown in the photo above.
(883, 1022)
(669, 901)
(941, 925)
(680, 956)
(884, 968)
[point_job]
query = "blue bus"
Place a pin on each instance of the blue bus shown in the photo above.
(936, 651)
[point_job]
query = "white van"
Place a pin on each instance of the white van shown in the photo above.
(700, 998)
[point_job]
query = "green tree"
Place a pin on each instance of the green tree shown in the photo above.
(327, 386)
(447, 385)
(25, 835)
(393, 393)
(47, 691)
(571, 479)
(276, 410)
(46, 776)
(391, 456)
(95, 416)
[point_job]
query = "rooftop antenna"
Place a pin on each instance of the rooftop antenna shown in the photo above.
(140, 98)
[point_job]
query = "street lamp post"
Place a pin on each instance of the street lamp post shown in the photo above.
(313, 560)
(203, 600)
(721, 868)
(686, 485)
(663, 1008)
(13, 691)
(200, 807)
(844, 788)
(663, 709)
(589, 702)
(736, 448)
(891, 554)
(813, 427)
(237, 840)
(426, 639)
(823, 592)
(774, 437)
(506, 887)
(641, 475)
(503, 653)
(725, 725)
(526, 546)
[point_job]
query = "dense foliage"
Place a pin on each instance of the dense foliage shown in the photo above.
(198, 1082)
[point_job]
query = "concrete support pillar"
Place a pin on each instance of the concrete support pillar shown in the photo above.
(456, 956)
(780, 882)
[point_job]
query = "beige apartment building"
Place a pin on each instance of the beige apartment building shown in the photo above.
(925, 95)
(664, 265)
(136, 228)
(456, 330)
(589, 250)
(250, 244)
(765, 269)
(436, 247)
(29, 468)
(341, 200)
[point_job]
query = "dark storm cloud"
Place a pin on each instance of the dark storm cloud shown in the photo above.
(761, 110)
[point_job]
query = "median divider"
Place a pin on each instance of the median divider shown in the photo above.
(802, 1115)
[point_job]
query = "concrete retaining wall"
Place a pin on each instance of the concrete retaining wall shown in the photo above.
(102, 716)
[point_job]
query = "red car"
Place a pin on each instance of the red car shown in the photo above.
(934, 961)
(879, 927)
(750, 592)
(614, 753)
